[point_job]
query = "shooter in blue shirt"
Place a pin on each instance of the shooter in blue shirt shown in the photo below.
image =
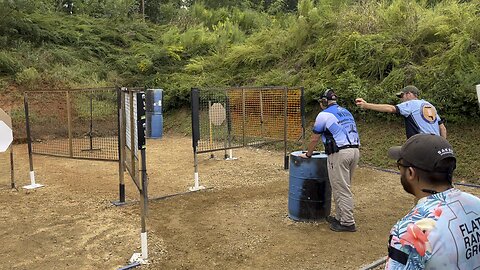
(420, 115)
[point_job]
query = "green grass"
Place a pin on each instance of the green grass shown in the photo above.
(377, 136)
(362, 48)
(178, 122)
(103, 106)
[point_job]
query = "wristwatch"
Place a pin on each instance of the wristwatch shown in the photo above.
(306, 154)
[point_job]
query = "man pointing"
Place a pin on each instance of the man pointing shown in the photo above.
(420, 115)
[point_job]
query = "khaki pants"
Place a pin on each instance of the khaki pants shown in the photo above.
(340, 172)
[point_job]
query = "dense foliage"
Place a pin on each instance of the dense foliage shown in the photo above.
(366, 48)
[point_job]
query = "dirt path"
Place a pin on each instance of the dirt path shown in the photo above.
(241, 222)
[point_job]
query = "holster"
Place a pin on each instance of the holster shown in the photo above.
(331, 146)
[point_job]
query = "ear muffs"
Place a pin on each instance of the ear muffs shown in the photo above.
(328, 95)
(324, 102)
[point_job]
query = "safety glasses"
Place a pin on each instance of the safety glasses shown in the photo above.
(401, 164)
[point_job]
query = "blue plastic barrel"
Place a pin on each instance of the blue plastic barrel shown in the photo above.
(154, 121)
(155, 129)
(309, 194)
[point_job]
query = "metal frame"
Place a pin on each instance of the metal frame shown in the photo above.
(71, 141)
(129, 149)
(239, 119)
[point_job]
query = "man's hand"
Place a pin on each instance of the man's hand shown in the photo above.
(360, 102)
(376, 107)
(303, 155)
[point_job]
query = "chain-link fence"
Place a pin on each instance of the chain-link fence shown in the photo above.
(239, 117)
(78, 123)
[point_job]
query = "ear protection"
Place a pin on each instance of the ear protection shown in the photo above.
(324, 102)
(328, 95)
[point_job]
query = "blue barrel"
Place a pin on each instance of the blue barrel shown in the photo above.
(309, 194)
(155, 128)
(154, 121)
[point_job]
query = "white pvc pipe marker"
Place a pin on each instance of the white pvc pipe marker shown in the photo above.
(230, 156)
(141, 258)
(196, 180)
(143, 237)
(196, 184)
(32, 178)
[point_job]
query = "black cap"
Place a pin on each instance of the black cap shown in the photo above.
(424, 151)
(408, 89)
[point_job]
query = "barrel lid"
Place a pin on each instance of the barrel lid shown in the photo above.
(316, 154)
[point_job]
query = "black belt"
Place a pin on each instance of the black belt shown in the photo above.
(348, 146)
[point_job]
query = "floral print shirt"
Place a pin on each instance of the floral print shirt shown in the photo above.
(441, 232)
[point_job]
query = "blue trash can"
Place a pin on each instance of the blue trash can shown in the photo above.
(309, 193)
(154, 121)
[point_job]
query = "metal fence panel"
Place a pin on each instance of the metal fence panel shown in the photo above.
(238, 117)
(78, 123)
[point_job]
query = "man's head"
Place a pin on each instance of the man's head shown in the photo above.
(408, 92)
(429, 157)
(328, 97)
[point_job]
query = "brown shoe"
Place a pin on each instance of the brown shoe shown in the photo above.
(337, 227)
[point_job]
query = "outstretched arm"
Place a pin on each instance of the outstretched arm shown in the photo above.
(376, 107)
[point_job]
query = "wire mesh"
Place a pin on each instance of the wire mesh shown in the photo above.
(79, 123)
(238, 117)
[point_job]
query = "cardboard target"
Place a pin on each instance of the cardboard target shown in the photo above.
(217, 114)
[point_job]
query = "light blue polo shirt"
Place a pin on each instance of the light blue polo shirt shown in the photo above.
(338, 122)
(420, 117)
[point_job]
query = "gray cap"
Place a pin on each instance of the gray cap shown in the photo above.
(408, 89)
(424, 151)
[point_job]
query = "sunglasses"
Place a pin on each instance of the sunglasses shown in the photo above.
(399, 164)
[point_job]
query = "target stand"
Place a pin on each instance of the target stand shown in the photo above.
(90, 133)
